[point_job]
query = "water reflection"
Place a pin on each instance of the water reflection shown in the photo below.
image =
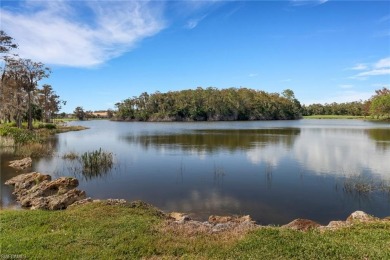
(204, 202)
(341, 152)
(211, 141)
(334, 151)
(75, 169)
(381, 137)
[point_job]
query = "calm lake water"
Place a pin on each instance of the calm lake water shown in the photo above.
(275, 171)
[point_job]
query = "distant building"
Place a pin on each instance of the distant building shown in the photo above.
(100, 114)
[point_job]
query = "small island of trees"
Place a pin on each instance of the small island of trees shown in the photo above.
(210, 104)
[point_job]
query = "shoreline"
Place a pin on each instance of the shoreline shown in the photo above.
(38, 191)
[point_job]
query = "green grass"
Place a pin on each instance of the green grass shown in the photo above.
(61, 120)
(98, 231)
(368, 118)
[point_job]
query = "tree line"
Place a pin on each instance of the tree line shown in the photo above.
(21, 98)
(377, 106)
(210, 104)
(356, 108)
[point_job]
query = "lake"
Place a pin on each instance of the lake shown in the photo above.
(275, 171)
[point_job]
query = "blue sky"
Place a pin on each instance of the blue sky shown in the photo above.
(102, 52)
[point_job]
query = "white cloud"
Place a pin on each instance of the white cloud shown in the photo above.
(381, 67)
(53, 33)
(192, 23)
(360, 66)
(383, 63)
(252, 75)
(374, 72)
(307, 2)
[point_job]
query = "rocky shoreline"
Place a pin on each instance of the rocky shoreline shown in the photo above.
(37, 191)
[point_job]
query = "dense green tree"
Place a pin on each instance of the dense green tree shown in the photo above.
(356, 108)
(79, 113)
(380, 103)
(209, 104)
(36, 112)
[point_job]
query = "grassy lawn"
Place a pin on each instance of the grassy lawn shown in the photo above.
(99, 231)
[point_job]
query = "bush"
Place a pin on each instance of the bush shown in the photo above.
(47, 126)
(20, 136)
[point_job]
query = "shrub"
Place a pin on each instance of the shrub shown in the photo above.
(20, 136)
(47, 126)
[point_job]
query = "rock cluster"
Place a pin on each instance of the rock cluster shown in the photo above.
(244, 223)
(37, 191)
(21, 164)
(215, 224)
(306, 224)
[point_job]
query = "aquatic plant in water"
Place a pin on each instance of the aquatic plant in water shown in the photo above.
(96, 162)
(70, 156)
(364, 185)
